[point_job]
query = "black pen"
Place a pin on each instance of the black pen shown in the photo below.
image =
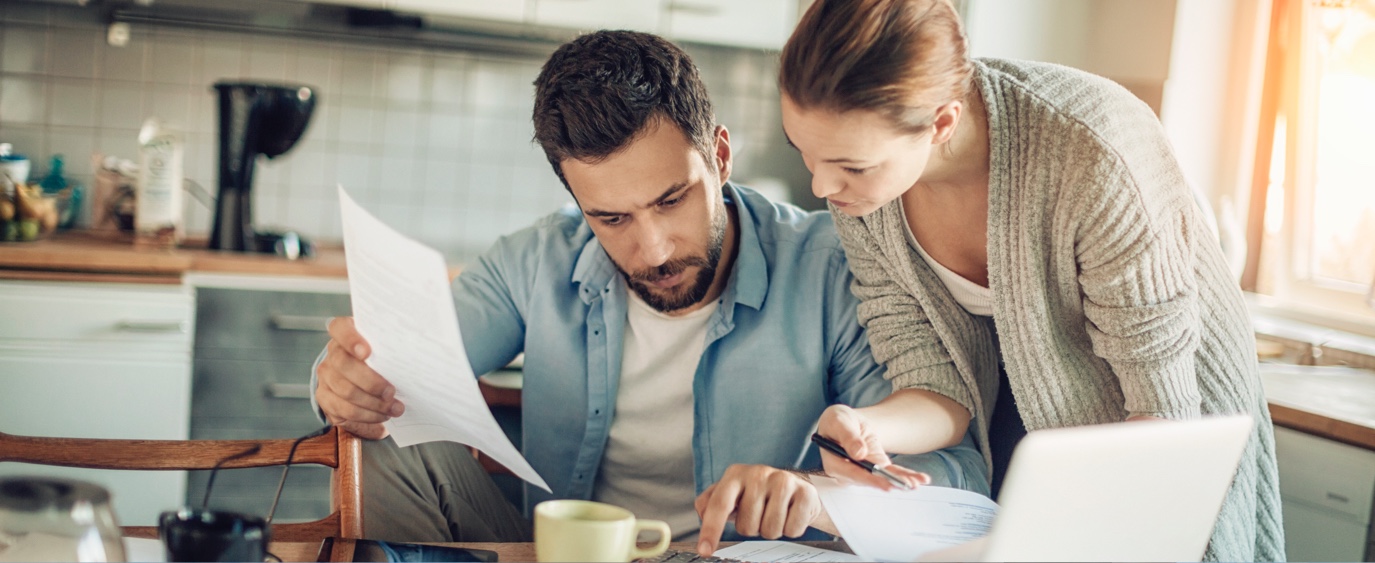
(830, 445)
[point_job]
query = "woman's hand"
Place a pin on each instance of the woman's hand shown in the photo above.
(849, 428)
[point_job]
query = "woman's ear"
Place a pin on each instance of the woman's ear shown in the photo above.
(947, 118)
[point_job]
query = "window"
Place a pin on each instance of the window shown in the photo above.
(1318, 249)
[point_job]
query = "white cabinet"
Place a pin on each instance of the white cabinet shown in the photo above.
(1326, 488)
(763, 24)
(588, 15)
(500, 10)
(760, 24)
(92, 360)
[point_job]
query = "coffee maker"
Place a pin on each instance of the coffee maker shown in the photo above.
(255, 119)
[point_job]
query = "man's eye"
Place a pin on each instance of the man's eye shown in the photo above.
(671, 202)
(612, 221)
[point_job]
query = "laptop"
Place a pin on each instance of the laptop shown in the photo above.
(1132, 491)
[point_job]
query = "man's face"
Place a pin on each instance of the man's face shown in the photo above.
(656, 207)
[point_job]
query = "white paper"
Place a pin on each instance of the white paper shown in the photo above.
(781, 551)
(403, 307)
(902, 525)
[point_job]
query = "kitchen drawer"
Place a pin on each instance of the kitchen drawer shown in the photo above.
(97, 313)
(92, 396)
(250, 394)
(240, 319)
(1312, 534)
(1322, 473)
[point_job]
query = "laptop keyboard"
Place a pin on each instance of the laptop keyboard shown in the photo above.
(675, 556)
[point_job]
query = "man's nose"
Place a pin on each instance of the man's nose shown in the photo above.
(655, 247)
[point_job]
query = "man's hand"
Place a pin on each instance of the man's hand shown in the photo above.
(849, 428)
(351, 394)
(765, 501)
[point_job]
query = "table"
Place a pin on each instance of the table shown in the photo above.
(311, 551)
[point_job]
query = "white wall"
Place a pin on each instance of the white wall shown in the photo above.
(1126, 40)
(1040, 30)
(1191, 60)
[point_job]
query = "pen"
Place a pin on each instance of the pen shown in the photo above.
(830, 445)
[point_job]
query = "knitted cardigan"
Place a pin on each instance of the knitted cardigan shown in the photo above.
(1111, 298)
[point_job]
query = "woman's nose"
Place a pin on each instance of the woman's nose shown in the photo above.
(824, 187)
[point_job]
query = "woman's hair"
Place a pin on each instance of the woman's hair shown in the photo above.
(597, 93)
(900, 58)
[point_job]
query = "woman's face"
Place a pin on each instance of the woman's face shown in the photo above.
(858, 161)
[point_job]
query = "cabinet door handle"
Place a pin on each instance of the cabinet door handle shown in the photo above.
(287, 390)
(306, 323)
(151, 326)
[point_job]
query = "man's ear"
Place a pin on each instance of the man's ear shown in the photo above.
(947, 117)
(722, 152)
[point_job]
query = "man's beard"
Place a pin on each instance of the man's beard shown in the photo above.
(682, 298)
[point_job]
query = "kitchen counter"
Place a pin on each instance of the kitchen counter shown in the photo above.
(1337, 403)
(110, 257)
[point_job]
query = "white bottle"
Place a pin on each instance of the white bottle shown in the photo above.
(157, 215)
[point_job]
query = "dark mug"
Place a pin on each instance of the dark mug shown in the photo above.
(213, 535)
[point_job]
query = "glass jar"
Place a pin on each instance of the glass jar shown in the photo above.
(50, 519)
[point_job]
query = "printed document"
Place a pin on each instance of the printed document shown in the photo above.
(902, 525)
(781, 551)
(403, 307)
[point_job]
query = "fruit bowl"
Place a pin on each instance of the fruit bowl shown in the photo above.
(29, 214)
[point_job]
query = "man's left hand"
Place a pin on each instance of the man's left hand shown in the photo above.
(765, 501)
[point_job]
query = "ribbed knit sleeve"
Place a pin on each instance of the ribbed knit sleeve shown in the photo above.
(1140, 293)
(900, 334)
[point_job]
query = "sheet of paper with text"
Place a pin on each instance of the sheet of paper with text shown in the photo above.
(402, 306)
(902, 525)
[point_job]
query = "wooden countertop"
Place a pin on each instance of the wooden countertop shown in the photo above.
(112, 257)
(1336, 403)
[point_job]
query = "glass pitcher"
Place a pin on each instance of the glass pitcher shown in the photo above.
(50, 519)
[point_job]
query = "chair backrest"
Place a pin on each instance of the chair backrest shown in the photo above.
(337, 449)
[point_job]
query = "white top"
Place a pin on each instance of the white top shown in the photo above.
(975, 298)
(647, 465)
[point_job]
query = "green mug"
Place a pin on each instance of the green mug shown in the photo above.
(583, 530)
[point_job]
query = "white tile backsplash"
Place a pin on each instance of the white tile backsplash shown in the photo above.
(121, 106)
(437, 143)
(23, 99)
(222, 57)
(73, 53)
(267, 60)
(73, 102)
(24, 50)
(128, 63)
(176, 58)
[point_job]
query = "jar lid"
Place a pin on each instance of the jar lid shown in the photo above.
(7, 153)
(32, 494)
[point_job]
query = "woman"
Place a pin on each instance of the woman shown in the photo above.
(1026, 249)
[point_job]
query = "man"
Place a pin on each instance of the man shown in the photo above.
(681, 334)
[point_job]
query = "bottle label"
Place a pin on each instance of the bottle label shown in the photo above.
(159, 202)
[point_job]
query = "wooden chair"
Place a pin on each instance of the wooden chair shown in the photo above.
(337, 449)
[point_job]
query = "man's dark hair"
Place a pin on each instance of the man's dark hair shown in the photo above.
(596, 93)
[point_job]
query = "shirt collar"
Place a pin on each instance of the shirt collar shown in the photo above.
(749, 280)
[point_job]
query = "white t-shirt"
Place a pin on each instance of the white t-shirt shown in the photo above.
(975, 298)
(647, 466)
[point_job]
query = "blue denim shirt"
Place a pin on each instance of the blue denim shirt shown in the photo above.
(783, 344)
